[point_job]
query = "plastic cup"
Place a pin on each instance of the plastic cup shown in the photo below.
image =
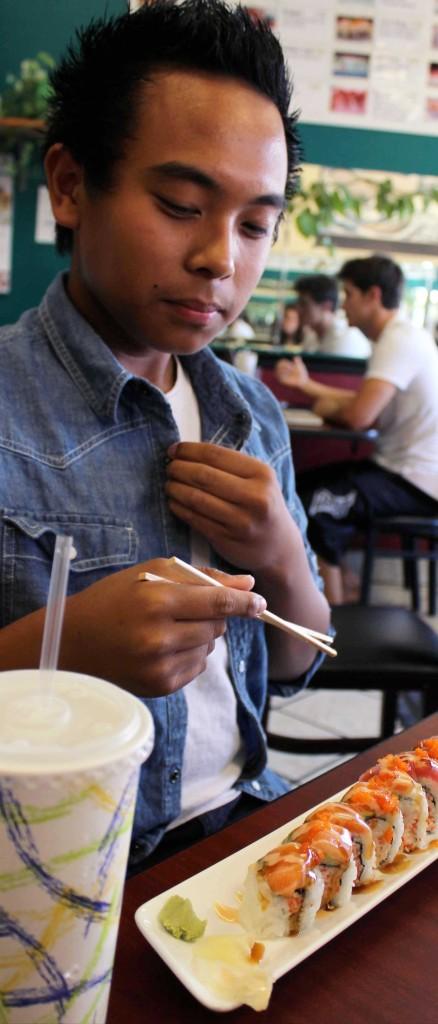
(69, 772)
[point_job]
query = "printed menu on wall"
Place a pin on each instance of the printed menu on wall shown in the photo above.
(362, 63)
(6, 199)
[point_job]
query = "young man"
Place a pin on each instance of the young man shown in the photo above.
(399, 395)
(321, 329)
(169, 154)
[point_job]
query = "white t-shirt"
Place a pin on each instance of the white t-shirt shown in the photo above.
(406, 356)
(213, 753)
(339, 340)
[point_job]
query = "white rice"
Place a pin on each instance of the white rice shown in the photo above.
(266, 915)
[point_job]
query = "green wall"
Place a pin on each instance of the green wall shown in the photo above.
(379, 151)
(27, 26)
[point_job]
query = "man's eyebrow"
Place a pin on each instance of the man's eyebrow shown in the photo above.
(176, 171)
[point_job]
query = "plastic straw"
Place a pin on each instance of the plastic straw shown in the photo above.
(55, 611)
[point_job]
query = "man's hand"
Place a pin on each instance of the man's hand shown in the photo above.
(152, 638)
(234, 501)
(293, 373)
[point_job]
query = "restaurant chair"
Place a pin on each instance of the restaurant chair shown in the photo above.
(383, 648)
(417, 539)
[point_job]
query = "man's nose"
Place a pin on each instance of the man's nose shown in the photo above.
(213, 253)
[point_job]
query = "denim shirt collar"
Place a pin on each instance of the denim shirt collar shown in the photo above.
(101, 379)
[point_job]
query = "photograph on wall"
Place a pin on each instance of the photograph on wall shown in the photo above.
(432, 108)
(6, 213)
(352, 65)
(354, 29)
(263, 14)
(348, 101)
(433, 74)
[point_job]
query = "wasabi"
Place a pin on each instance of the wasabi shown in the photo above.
(178, 917)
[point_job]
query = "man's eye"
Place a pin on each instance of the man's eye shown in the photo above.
(177, 209)
(256, 230)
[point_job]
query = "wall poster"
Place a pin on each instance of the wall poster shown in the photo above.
(361, 63)
(6, 201)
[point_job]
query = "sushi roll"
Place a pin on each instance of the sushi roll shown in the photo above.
(423, 769)
(334, 847)
(412, 799)
(381, 811)
(282, 893)
(364, 852)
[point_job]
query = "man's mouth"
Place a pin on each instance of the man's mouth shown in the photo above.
(195, 311)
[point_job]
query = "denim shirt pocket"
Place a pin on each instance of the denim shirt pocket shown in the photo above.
(102, 544)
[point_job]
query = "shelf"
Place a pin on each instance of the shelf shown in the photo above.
(26, 126)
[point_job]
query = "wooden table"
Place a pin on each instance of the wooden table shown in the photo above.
(381, 970)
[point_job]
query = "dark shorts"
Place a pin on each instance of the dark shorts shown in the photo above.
(341, 498)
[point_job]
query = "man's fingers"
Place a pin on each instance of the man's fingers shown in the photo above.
(240, 581)
(191, 602)
(185, 636)
(208, 479)
(230, 461)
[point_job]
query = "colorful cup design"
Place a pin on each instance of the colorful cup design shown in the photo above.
(64, 843)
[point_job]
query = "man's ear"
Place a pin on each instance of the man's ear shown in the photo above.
(65, 184)
(374, 292)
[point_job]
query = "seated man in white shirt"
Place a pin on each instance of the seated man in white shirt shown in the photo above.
(398, 395)
(322, 328)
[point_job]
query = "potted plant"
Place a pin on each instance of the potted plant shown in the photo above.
(23, 104)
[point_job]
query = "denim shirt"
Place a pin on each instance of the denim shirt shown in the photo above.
(83, 451)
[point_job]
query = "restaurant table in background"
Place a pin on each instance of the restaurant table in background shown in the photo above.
(305, 423)
(340, 443)
(381, 969)
(270, 354)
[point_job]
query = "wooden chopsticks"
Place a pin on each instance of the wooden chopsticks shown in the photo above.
(185, 573)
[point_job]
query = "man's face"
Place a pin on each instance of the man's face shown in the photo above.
(170, 255)
(311, 313)
(356, 305)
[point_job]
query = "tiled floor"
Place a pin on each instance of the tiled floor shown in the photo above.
(330, 713)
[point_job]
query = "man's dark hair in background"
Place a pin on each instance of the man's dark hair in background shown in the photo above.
(376, 270)
(320, 287)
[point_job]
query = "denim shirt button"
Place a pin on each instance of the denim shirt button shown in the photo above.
(256, 785)
(175, 774)
(242, 665)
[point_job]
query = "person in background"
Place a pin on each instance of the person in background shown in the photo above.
(399, 396)
(322, 329)
(287, 331)
(170, 154)
(241, 329)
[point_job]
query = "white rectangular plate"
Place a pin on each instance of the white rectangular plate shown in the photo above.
(222, 881)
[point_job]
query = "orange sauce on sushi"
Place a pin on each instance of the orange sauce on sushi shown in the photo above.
(400, 863)
(369, 887)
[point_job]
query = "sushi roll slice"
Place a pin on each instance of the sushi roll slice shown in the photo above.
(364, 851)
(412, 799)
(423, 769)
(282, 893)
(334, 847)
(381, 811)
